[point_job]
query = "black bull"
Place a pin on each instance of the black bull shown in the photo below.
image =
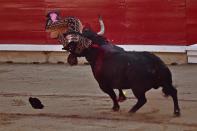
(114, 68)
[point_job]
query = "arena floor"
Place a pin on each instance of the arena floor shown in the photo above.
(74, 102)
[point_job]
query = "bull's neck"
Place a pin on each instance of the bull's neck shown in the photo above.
(94, 56)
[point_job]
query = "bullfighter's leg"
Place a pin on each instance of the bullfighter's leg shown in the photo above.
(141, 100)
(112, 94)
(122, 96)
(170, 90)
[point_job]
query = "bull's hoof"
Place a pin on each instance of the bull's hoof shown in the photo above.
(121, 99)
(177, 113)
(131, 111)
(116, 108)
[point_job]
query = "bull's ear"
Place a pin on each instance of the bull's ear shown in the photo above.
(102, 26)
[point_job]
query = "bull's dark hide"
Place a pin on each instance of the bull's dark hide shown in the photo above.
(114, 68)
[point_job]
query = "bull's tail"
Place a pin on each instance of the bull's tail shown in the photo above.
(165, 92)
(168, 90)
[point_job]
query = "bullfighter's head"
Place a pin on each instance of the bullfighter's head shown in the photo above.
(57, 26)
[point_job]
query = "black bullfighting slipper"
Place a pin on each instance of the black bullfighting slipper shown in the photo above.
(36, 103)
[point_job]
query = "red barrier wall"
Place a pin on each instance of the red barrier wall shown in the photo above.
(191, 21)
(165, 22)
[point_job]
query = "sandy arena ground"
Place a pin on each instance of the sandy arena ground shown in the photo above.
(74, 102)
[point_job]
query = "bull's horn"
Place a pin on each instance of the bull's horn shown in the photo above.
(102, 30)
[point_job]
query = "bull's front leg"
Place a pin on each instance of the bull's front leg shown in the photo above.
(112, 94)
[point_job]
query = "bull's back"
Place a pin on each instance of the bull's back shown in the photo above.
(135, 68)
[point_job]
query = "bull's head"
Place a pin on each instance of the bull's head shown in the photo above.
(69, 33)
(77, 42)
(56, 25)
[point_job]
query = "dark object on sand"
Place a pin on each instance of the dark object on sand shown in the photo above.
(36, 103)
